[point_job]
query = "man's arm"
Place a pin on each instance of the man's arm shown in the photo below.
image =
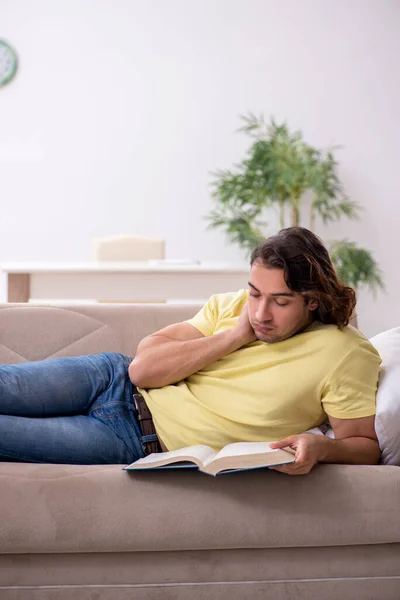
(179, 350)
(355, 443)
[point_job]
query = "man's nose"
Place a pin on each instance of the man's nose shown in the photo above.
(263, 312)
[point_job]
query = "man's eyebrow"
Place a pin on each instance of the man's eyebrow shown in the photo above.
(286, 294)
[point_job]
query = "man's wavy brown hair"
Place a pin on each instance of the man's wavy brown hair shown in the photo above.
(308, 270)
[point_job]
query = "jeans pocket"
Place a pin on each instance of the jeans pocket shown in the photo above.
(120, 417)
(125, 359)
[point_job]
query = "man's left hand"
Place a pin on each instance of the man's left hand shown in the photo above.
(309, 451)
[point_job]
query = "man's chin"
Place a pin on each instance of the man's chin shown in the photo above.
(269, 337)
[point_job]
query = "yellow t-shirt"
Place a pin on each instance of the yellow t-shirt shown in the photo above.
(265, 392)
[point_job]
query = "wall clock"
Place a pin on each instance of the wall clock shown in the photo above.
(8, 62)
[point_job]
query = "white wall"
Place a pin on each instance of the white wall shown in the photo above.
(121, 109)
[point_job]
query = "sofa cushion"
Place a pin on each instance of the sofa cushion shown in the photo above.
(31, 332)
(387, 421)
(100, 508)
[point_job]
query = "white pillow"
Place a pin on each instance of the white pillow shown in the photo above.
(387, 420)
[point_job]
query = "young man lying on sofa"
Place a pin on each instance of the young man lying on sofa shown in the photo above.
(262, 364)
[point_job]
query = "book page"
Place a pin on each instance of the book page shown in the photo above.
(244, 448)
(248, 455)
(200, 455)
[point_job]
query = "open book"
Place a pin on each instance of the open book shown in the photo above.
(240, 456)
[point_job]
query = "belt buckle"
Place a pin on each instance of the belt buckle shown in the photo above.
(135, 401)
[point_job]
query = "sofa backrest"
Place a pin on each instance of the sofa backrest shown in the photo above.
(30, 332)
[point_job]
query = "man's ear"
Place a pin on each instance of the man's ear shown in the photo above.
(312, 304)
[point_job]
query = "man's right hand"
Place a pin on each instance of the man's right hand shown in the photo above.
(243, 330)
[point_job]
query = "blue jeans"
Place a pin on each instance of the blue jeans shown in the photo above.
(69, 410)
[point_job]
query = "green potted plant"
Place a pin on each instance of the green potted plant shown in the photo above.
(281, 171)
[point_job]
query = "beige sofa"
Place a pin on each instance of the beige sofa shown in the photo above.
(100, 533)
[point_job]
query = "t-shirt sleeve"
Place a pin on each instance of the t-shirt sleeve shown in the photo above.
(206, 319)
(350, 391)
